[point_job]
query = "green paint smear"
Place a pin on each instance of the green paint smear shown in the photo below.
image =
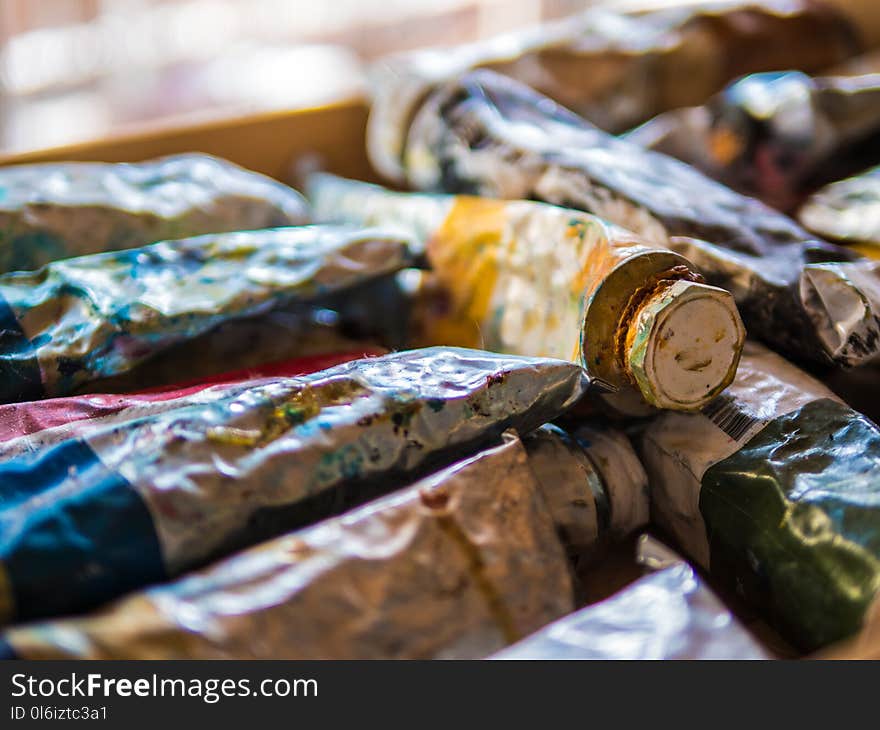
(793, 520)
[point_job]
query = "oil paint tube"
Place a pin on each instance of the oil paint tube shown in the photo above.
(83, 319)
(457, 565)
(54, 211)
(775, 136)
(536, 279)
(775, 488)
(138, 501)
(619, 68)
(486, 134)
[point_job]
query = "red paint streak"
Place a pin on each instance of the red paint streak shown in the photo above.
(19, 419)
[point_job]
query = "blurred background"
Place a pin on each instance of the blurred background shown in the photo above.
(78, 69)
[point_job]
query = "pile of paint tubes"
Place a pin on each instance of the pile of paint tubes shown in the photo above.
(237, 423)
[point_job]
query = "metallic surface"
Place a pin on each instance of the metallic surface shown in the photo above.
(59, 210)
(457, 565)
(776, 136)
(536, 279)
(670, 614)
(28, 427)
(489, 135)
(843, 303)
(776, 489)
(97, 316)
(618, 69)
(847, 211)
(280, 334)
(225, 472)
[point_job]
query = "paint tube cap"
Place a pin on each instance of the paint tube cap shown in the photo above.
(623, 476)
(683, 345)
(571, 486)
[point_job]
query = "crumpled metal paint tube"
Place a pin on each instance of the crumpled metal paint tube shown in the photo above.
(371, 315)
(82, 319)
(138, 501)
(535, 279)
(847, 211)
(60, 210)
(470, 550)
(594, 484)
(775, 488)
(669, 614)
(457, 565)
(486, 134)
(776, 136)
(287, 333)
(31, 426)
(619, 69)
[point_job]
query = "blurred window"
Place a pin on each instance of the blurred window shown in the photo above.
(76, 69)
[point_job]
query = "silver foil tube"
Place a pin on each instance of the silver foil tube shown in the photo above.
(457, 565)
(670, 614)
(776, 136)
(619, 68)
(55, 211)
(92, 317)
(131, 502)
(488, 135)
(847, 211)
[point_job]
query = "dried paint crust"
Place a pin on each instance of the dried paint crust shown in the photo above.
(135, 501)
(79, 320)
(60, 210)
(488, 135)
(457, 565)
(530, 278)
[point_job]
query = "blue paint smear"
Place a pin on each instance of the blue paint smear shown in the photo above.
(20, 376)
(73, 534)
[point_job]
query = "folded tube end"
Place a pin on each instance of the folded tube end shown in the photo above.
(842, 301)
(684, 345)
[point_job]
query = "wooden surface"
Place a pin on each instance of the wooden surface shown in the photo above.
(269, 142)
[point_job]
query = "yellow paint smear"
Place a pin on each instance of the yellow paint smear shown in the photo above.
(464, 253)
